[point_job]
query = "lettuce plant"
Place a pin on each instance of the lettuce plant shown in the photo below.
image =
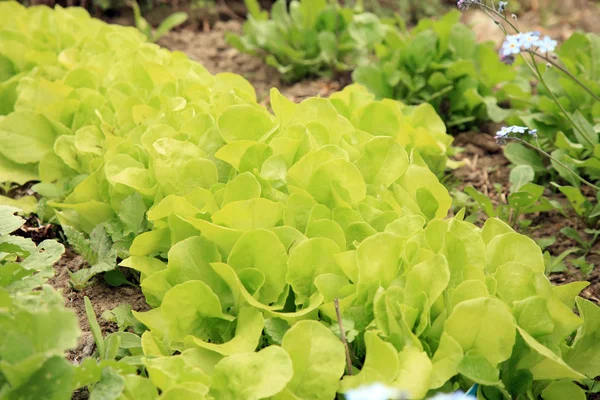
(261, 228)
(311, 37)
(441, 63)
(35, 327)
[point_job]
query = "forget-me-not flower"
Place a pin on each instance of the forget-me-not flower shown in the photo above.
(505, 132)
(529, 40)
(547, 44)
(512, 45)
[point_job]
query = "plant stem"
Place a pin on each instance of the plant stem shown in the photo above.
(539, 150)
(336, 303)
(565, 71)
(558, 103)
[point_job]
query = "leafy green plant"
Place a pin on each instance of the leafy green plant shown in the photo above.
(97, 252)
(168, 24)
(310, 38)
(441, 63)
(260, 223)
(523, 198)
(35, 327)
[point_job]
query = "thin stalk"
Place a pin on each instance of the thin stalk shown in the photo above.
(567, 115)
(336, 303)
(539, 150)
(565, 71)
(502, 16)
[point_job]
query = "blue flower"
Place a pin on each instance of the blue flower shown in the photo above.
(375, 391)
(502, 6)
(529, 40)
(547, 44)
(502, 133)
(512, 45)
(452, 396)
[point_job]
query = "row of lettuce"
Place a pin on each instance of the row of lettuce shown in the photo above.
(246, 226)
(442, 63)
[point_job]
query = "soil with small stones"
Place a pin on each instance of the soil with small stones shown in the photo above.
(102, 296)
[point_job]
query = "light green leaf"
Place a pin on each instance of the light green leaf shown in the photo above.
(318, 360)
(491, 328)
(252, 376)
(192, 308)
(311, 258)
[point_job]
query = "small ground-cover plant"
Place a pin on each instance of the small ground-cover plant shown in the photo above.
(440, 62)
(295, 254)
(310, 37)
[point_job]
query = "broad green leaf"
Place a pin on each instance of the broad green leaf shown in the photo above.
(192, 308)
(261, 250)
(492, 328)
(249, 214)
(381, 364)
(252, 376)
(415, 372)
(110, 387)
(509, 247)
(248, 332)
(311, 258)
(27, 137)
(383, 161)
(318, 360)
(546, 364)
(563, 390)
(244, 122)
(519, 176)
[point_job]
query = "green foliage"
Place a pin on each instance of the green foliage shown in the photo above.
(35, 328)
(257, 221)
(524, 198)
(440, 62)
(97, 252)
(169, 23)
(572, 138)
(311, 37)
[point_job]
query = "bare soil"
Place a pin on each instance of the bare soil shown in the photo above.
(102, 296)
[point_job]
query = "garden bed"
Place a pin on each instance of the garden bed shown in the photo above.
(483, 166)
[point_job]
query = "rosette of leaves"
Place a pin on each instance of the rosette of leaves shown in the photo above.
(310, 38)
(441, 63)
